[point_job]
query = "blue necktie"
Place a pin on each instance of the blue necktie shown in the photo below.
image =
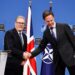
(21, 38)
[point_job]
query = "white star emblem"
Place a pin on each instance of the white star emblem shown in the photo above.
(48, 55)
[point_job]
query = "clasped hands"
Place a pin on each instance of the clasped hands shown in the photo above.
(26, 55)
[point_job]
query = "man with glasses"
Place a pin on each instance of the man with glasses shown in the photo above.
(16, 41)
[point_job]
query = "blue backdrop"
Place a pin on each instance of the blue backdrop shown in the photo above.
(64, 11)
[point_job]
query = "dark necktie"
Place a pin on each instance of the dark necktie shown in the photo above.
(52, 32)
(21, 38)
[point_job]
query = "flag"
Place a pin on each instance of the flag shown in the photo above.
(30, 65)
(47, 61)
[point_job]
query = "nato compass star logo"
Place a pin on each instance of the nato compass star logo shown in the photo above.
(48, 55)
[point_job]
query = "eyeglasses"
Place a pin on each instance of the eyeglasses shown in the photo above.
(21, 23)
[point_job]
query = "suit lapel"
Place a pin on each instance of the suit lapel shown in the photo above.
(58, 30)
(17, 38)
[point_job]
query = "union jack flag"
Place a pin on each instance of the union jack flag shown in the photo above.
(30, 65)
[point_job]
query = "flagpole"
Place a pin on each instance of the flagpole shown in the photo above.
(51, 3)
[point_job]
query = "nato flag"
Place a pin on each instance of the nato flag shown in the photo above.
(47, 61)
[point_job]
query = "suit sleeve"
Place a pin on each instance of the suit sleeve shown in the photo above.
(41, 46)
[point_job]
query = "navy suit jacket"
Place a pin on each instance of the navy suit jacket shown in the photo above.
(12, 43)
(63, 46)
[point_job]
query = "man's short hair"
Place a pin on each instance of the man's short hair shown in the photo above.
(47, 13)
(19, 17)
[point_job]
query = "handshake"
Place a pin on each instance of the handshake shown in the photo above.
(26, 55)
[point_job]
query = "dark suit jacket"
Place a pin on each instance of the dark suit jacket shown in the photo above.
(12, 42)
(64, 45)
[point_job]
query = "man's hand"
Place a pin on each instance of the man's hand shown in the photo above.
(26, 55)
(23, 62)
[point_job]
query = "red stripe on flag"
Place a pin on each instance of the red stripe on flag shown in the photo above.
(28, 70)
(33, 64)
(30, 46)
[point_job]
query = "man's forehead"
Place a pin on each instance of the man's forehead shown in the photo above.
(50, 19)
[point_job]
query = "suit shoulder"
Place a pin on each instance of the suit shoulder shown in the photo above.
(62, 24)
(9, 32)
(46, 31)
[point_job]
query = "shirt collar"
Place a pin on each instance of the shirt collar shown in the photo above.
(19, 32)
(54, 26)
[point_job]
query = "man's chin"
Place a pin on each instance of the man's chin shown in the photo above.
(20, 30)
